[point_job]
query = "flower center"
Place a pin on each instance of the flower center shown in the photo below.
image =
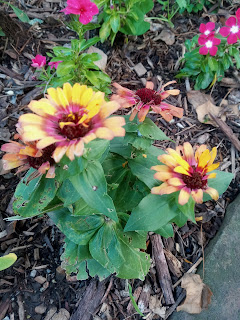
(194, 181)
(71, 129)
(36, 162)
(234, 29)
(207, 32)
(148, 95)
(209, 44)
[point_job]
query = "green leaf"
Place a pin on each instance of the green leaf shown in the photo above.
(2, 34)
(22, 16)
(119, 146)
(7, 261)
(182, 3)
(133, 301)
(187, 209)
(65, 67)
(165, 231)
(79, 229)
(67, 193)
(81, 208)
(149, 129)
(140, 167)
(213, 64)
(114, 251)
(115, 22)
(92, 186)
(77, 259)
(105, 30)
(152, 213)
(137, 141)
(220, 183)
(180, 219)
(32, 198)
(95, 149)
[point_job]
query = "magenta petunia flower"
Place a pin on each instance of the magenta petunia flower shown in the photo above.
(54, 64)
(209, 45)
(232, 31)
(39, 61)
(207, 28)
(85, 8)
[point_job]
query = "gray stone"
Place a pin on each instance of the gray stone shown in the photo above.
(222, 272)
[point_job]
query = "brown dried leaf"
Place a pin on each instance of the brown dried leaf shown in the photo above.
(174, 264)
(198, 294)
(203, 105)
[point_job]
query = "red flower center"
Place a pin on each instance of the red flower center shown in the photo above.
(194, 181)
(148, 95)
(36, 162)
(75, 130)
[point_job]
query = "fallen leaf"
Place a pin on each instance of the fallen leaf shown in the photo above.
(198, 294)
(102, 63)
(204, 105)
(156, 307)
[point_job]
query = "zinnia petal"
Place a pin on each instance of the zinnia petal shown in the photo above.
(184, 196)
(213, 193)
(197, 195)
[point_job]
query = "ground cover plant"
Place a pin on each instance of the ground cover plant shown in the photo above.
(92, 156)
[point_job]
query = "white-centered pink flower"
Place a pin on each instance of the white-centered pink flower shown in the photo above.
(209, 45)
(207, 29)
(232, 31)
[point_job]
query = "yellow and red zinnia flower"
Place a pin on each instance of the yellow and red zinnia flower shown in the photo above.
(145, 99)
(24, 156)
(188, 172)
(69, 118)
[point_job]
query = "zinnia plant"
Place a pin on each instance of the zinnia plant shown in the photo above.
(216, 54)
(92, 172)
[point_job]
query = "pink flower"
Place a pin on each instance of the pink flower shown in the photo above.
(85, 8)
(145, 99)
(209, 44)
(54, 64)
(207, 29)
(39, 61)
(233, 28)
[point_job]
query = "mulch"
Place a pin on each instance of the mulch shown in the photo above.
(36, 287)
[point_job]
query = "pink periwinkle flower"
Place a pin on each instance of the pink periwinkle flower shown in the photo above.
(39, 61)
(207, 28)
(54, 64)
(209, 45)
(233, 28)
(85, 8)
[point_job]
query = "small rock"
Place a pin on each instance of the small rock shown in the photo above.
(234, 97)
(140, 69)
(203, 138)
(40, 309)
(40, 279)
(51, 312)
(62, 314)
(156, 26)
(33, 273)
(5, 134)
(167, 36)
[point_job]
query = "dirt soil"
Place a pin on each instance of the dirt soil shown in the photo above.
(36, 287)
